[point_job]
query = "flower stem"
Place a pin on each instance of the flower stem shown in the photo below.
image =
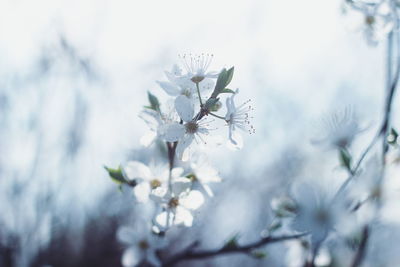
(217, 116)
(198, 93)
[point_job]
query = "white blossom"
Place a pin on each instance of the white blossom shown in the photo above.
(179, 202)
(197, 67)
(202, 173)
(339, 129)
(181, 84)
(157, 121)
(191, 128)
(147, 177)
(238, 117)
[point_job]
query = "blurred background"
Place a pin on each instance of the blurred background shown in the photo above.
(74, 76)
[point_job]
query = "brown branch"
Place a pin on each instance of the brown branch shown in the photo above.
(201, 254)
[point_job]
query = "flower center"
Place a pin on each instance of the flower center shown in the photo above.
(197, 78)
(369, 20)
(173, 203)
(155, 183)
(143, 244)
(187, 92)
(322, 216)
(191, 127)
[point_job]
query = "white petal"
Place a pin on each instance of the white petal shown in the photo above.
(172, 132)
(235, 141)
(193, 200)
(136, 170)
(142, 192)
(148, 139)
(131, 257)
(161, 219)
(169, 88)
(177, 172)
(183, 144)
(184, 216)
(151, 117)
(184, 107)
(180, 186)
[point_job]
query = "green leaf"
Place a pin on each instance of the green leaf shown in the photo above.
(154, 103)
(117, 176)
(227, 90)
(221, 83)
(275, 226)
(210, 103)
(258, 254)
(345, 159)
(232, 242)
(230, 76)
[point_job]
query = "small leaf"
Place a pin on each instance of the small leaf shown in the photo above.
(116, 174)
(345, 159)
(221, 83)
(210, 103)
(227, 90)
(229, 76)
(275, 226)
(258, 254)
(154, 103)
(232, 242)
(117, 177)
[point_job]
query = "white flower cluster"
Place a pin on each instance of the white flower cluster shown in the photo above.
(178, 186)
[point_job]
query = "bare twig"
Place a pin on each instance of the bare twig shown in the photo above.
(360, 254)
(189, 254)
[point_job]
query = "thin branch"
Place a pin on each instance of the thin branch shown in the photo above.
(362, 248)
(201, 254)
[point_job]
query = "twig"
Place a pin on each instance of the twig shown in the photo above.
(201, 254)
(362, 248)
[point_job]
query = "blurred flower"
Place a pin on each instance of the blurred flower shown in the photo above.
(142, 245)
(238, 117)
(374, 18)
(178, 203)
(202, 173)
(158, 121)
(339, 129)
(314, 213)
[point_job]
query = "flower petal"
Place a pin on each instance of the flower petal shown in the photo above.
(183, 144)
(136, 170)
(142, 192)
(193, 200)
(169, 88)
(184, 107)
(172, 132)
(131, 257)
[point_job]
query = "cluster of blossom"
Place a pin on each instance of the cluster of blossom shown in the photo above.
(176, 186)
(374, 18)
